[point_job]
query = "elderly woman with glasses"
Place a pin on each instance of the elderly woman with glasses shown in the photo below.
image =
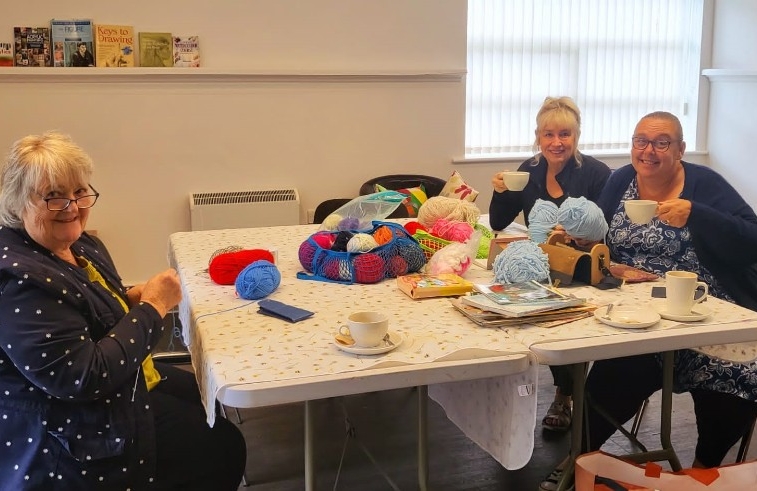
(83, 404)
(702, 225)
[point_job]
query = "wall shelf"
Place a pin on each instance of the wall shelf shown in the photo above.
(202, 75)
(729, 75)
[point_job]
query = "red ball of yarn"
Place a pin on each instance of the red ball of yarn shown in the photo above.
(397, 266)
(413, 227)
(225, 268)
(369, 268)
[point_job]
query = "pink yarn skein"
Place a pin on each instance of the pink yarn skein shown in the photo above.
(454, 231)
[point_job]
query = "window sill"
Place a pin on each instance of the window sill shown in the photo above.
(601, 155)
(727, 75)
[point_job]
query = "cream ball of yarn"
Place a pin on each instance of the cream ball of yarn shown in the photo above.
(452, 209)
(361, 243)
(331, 222)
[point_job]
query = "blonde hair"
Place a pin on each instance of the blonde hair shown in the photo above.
(36, 160)
(560, 111)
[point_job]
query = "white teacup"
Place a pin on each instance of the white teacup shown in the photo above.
(366, 328)
(680, 288)
(515, 180)
(640, 211)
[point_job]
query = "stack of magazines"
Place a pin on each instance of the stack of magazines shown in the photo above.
(529, 302)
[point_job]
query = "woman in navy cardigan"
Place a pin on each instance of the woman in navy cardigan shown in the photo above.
(702, 225)
(557, 172)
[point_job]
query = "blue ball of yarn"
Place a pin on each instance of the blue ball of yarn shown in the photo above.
(521, 261)
(258, 280)
(582, 219)
(541, 220)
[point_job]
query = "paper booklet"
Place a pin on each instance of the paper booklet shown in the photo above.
(520, 300)
(551, 318)
(527, 292)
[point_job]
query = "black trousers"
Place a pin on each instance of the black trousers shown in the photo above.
(190, 454)
(563, 378)
(620, 385)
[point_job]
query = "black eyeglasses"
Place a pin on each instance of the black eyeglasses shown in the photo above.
(82, 202)
(642, 143)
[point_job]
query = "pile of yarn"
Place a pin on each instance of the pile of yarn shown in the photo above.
(448, 208)
(226, 266)
(257, 280)
(522, 260)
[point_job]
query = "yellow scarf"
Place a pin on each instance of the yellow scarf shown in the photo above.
(152, 377)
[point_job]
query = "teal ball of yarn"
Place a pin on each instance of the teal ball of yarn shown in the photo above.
(521, 261)
(582, 219)
(258, 280)
(542, 220)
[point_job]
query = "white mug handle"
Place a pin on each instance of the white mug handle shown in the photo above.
(706, 291)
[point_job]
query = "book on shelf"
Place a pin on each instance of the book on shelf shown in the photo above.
(485, 318)
(186, 51)
(483, 302)
(32, 47)
(114, 45)
(6, 54)
(73, 42)
(155, 49)
(526, 292)
(419, 285)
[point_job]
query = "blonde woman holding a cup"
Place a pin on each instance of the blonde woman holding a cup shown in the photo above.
(556, 172)
(703, 232)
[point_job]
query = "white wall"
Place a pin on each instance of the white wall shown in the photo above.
(733, 101)
(154, 143)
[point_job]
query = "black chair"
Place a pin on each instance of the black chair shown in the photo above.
(326, 208)
(432, 185)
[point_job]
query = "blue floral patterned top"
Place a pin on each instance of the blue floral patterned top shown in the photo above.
(659, 248)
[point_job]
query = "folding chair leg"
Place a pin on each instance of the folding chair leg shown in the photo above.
(637, 419)
(745, 441)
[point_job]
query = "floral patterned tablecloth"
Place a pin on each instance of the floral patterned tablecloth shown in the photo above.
(231, 344)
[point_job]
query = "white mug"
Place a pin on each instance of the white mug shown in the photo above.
(680, 288)
(366, 328)
(640, 211)
(515, 180)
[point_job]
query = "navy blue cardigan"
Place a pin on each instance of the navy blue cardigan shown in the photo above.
(723, 227)
(585, 180)
(75, 407)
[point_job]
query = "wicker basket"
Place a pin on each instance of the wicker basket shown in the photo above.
(431, 243)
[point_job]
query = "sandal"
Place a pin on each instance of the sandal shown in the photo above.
(551, 482)
(558, 418)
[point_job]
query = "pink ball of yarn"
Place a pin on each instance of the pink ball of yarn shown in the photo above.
(452, 230)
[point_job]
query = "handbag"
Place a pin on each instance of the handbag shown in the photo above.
(568, 264)
(599, 471)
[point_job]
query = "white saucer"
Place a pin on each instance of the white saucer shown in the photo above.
(698, 312)
(395, 339)
(628, 319)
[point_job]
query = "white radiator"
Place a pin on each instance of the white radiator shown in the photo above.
(242, 209)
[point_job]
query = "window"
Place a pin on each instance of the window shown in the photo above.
(618, 59)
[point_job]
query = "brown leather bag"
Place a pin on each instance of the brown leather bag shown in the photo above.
(568, 265)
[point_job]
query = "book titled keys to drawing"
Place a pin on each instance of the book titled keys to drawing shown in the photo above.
(114, 45)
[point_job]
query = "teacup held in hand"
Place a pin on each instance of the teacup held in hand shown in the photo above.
(515, 180)
(367, 329)
(680, 288)
(640, 211)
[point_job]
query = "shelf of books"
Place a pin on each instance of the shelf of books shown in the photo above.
(204, 74)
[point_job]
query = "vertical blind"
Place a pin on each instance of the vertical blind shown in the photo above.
(618, 59)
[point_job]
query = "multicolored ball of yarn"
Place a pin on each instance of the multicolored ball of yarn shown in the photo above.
(369, 268)
(258, 280)
(224, 268)
(331, 222)
(361, 242)
(383, 235)
(542, 219)
(521, 260)
(582, 219)
(452, 230)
